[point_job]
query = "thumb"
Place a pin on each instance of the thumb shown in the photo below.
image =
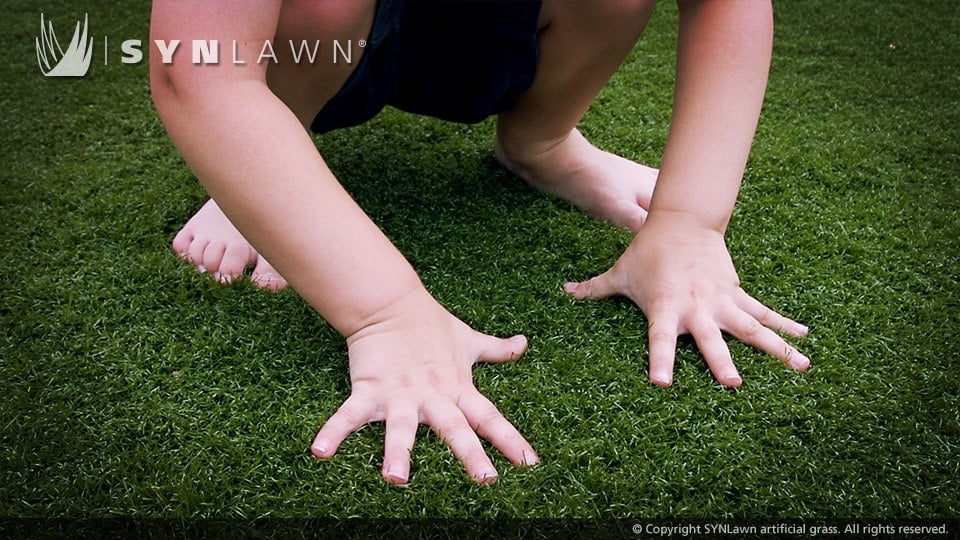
(495, 350)
(596, 288)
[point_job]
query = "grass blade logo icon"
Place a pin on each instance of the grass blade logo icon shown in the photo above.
(74, 62)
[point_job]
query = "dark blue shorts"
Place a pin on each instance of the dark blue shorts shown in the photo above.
(458, 60)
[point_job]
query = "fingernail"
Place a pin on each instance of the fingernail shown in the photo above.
(487, 477)
(202, 269)
(395, 474)
(661, 380)
(319, 449)
(732, 379)
(800, 363)
(569, 287)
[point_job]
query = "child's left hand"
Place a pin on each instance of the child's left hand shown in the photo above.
(412, 364)
(682, 277)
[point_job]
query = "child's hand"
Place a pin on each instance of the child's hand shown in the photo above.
(682, 277)
(412, 364)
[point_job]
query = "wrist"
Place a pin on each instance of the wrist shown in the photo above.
(679, 219)
(406, 301)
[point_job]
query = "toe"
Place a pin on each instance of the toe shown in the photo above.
(195, 252)
(212, 256)
(181, 243)
(626, 214)
(235, 259)
(266, 276)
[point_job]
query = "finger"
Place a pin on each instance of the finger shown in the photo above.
(750, 331)
(662, 331)
(401, 428)
(492, 426)
(496, 350)
(769, 317)
(596, 288)
(450, 425)
(709, 339)
(354, 412)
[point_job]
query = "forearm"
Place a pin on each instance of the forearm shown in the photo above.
(723, 60)
(258, 163)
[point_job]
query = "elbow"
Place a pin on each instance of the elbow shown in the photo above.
(179, 87)
(167, 90)
(162, 89)
(176, 83)
(181, 90)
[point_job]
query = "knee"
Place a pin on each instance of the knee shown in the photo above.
(608, 18)
(608, 12)
(628, 9)
(634, 13)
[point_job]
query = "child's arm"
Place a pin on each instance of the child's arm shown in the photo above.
(678, 269)
(410, 360)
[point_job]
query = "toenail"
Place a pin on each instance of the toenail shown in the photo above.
(202, 269)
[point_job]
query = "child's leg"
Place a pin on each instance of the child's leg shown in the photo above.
(581, 44)
(214, 245)
(208, 240)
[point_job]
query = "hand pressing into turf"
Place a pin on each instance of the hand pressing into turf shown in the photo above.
(681, 275)
(413, 365)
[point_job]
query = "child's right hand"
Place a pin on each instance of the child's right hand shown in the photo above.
(412, 364)
(681, 275)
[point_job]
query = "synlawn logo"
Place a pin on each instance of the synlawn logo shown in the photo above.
(54, 61)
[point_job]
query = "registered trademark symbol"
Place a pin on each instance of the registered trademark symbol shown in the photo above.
(362, 43)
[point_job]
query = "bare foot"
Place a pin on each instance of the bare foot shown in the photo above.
(212, 244)
(602, 184)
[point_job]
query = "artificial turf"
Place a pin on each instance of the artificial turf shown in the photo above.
(132, 386)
